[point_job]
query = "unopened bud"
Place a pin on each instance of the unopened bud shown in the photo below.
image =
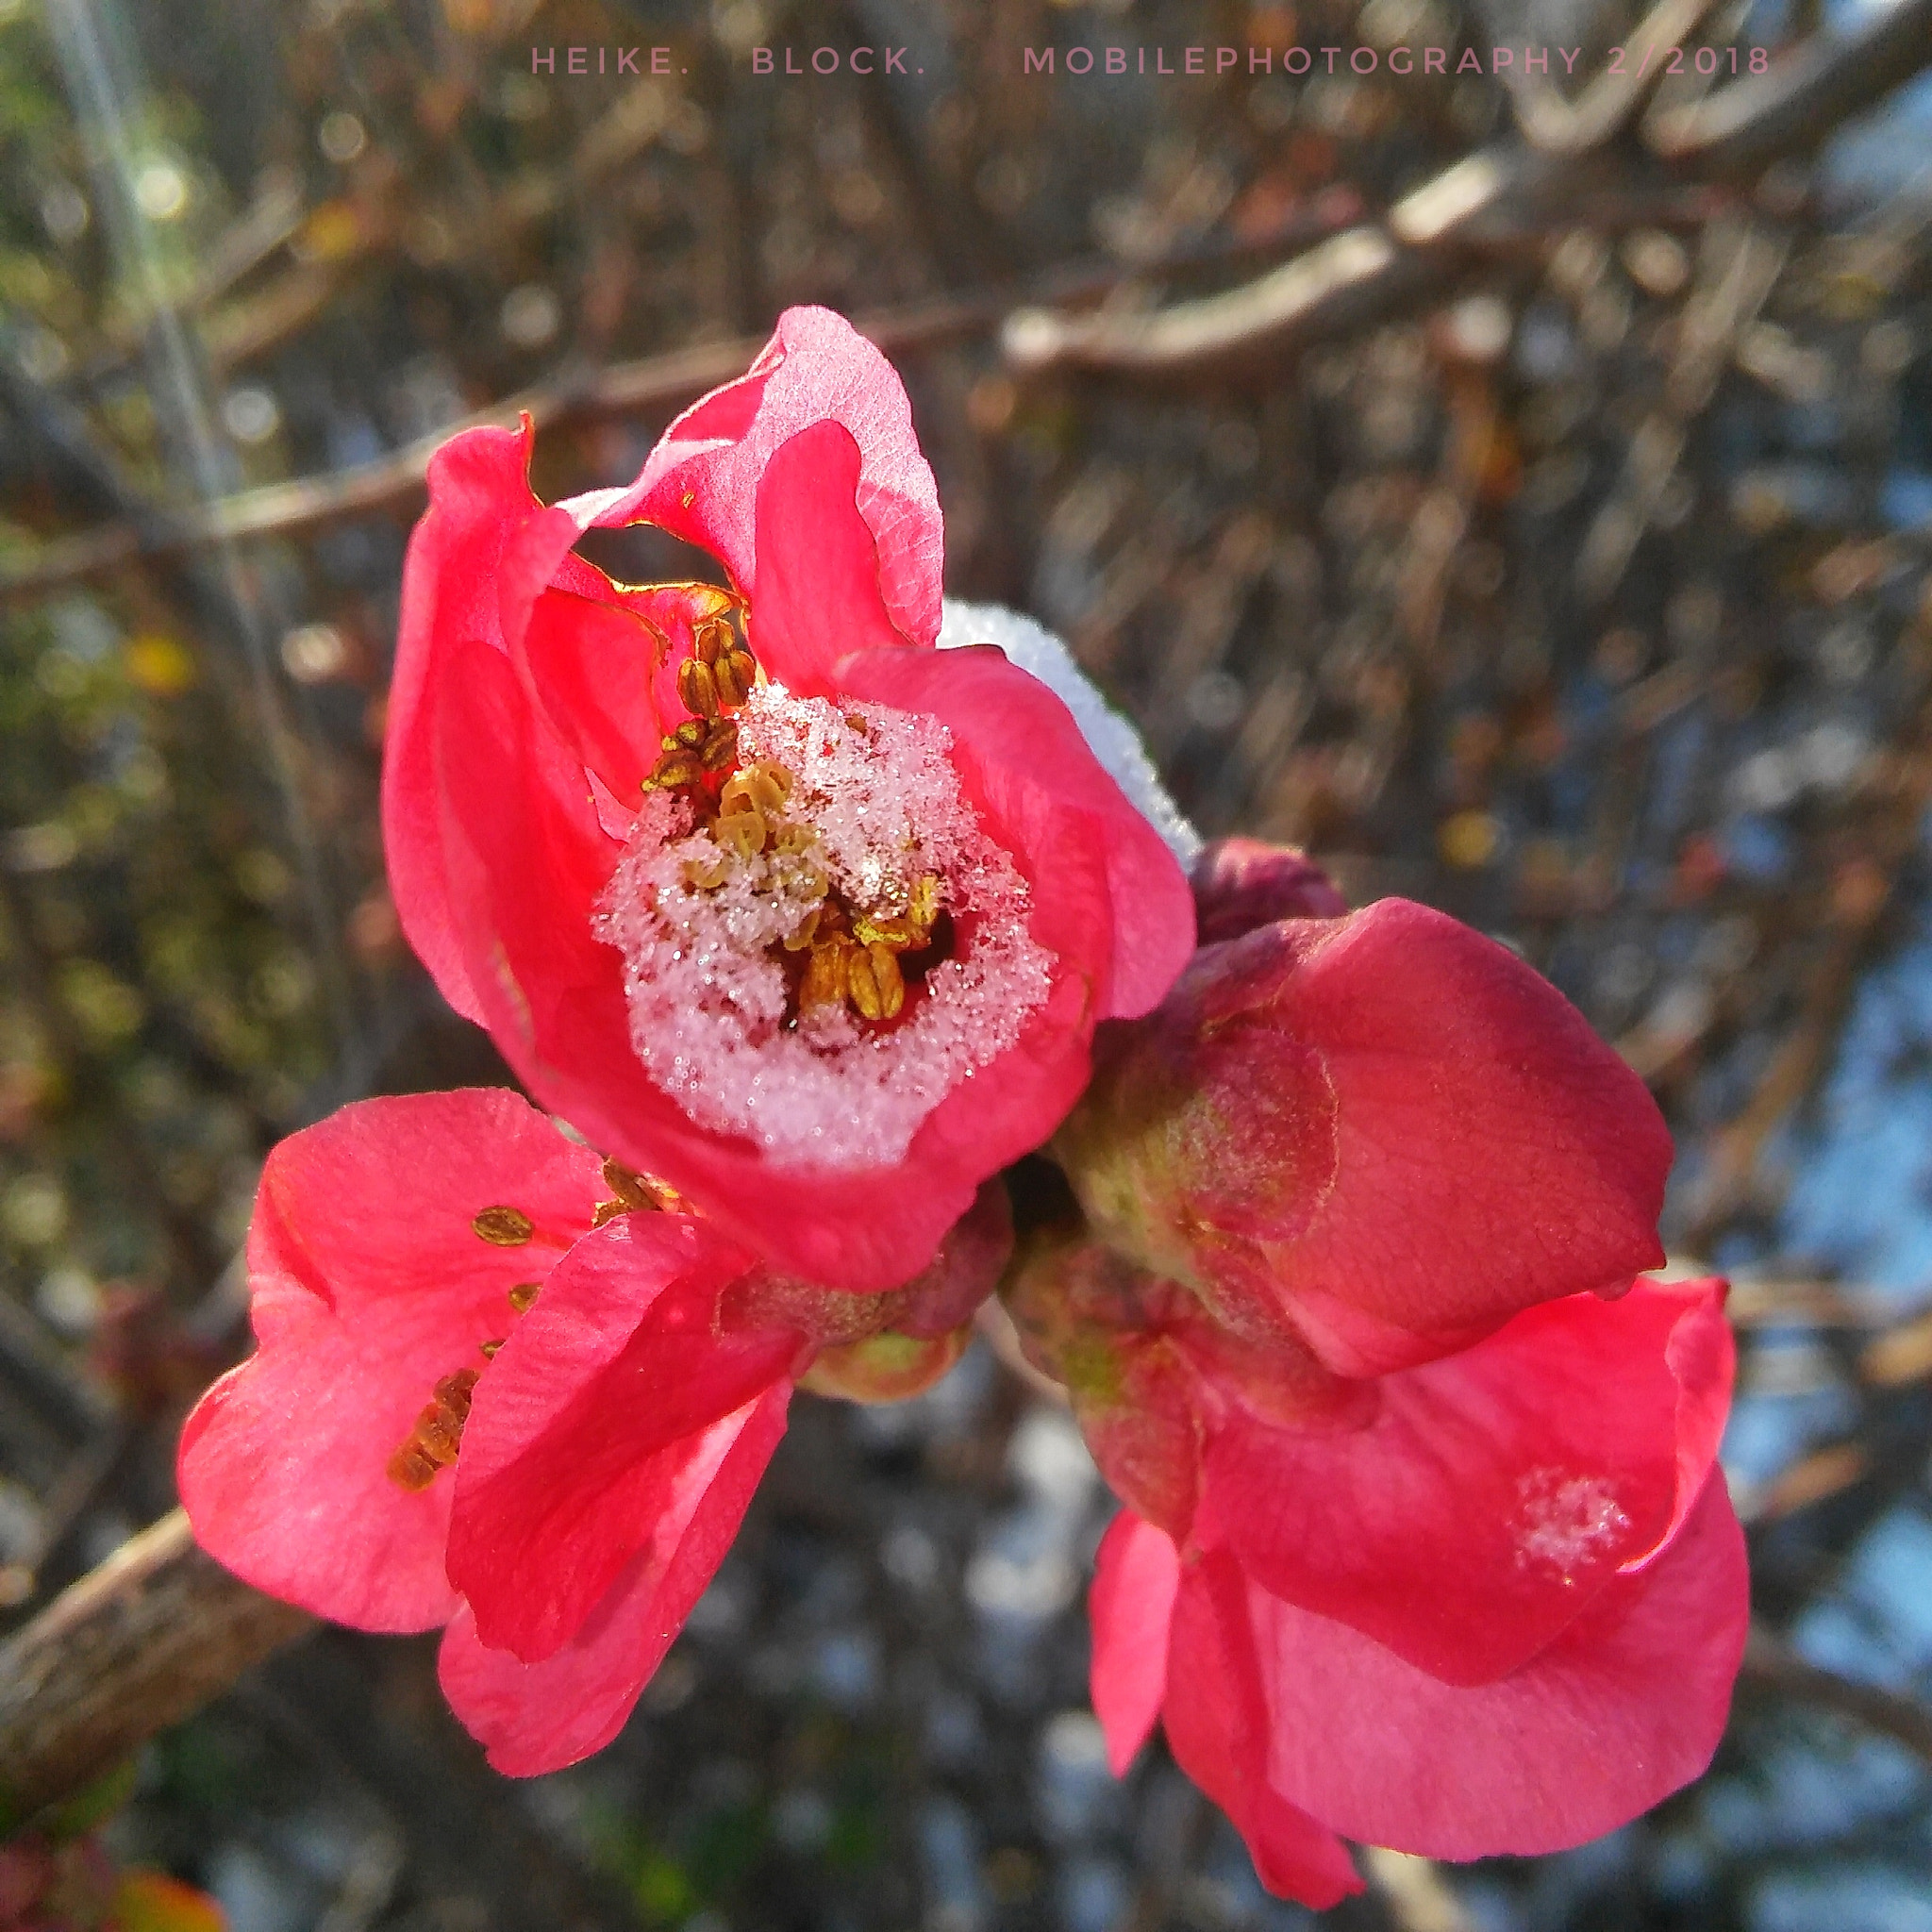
(1380, 1134)
(1242, 883)
(1206, 1135)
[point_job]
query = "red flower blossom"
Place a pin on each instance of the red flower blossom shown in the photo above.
(1424, 1545)
(1301, 1727)
(446, 1273)
(761, 891)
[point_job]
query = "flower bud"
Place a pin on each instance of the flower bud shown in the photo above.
(885, 1347)
(1207, 1132)
(1150, 1373)
(1242, 883)
(1091, 1321)
(1380, 1134)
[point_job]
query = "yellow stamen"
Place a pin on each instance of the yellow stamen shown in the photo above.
(824, 984)
(873, 984)
(433, 1443)
(743, 831)
(736, 672)
(674, 768)
(697, 688)
(503, 1227)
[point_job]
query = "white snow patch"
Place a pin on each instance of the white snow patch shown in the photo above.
(706, 1000)
(1565, 1521)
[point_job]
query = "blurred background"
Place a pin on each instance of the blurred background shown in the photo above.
(1554, 547)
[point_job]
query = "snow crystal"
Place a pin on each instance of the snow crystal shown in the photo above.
(703, 978)
(1566, 1520)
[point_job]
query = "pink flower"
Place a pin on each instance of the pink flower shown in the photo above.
(1423, 1545)
(1303, 1726)
(497, 1388)
(759, 889)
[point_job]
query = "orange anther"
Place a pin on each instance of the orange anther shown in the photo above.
(503, 1227)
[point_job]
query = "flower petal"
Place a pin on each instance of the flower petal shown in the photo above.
(819, 594)
(1494, 1493)
(592, 665)
(1623, 1708)
(540, 1717)
(1218, 1721)
(580, 1443)
(1135, 1574)
(702, 481)
(368, 1286)
(479, 499)
(1044, 796)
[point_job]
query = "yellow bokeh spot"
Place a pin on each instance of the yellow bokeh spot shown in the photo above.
(161, 665)
(1469, 839)
(332, 233)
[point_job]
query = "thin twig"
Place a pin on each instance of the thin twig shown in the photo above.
(135, 1646)
(1799, 100)
(1772, 1664)
(1556, 126)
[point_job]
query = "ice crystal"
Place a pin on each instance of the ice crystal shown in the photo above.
(1566, 1520)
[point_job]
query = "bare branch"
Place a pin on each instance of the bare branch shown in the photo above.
(1772, 1664)
(1556, 126)
(1800, 100)
(1348, 280)
(393, 484)
(133, 1647)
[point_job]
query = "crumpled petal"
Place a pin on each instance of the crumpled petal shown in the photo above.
(580, 1443)
(539, 1717)
(1496, 1493)
(1219, 1724)
(702, 482)
(368, 1286)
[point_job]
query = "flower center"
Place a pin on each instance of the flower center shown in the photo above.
(819, 938)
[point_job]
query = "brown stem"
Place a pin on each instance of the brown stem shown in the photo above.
(395, 484)
(1771, 1664)
(1801, 99)
(135, 1646)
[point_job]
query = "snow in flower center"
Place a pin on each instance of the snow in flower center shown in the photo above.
(821, 945)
